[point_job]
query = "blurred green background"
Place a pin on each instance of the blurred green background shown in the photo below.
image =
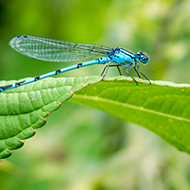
(81, 148)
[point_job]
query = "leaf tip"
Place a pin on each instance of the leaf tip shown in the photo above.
(44, 120)
(22, 142)
(35, 130)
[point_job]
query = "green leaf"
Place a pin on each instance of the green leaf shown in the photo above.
(24, 109)
(163, 107)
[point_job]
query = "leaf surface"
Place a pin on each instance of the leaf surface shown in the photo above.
(163, 107)
(24, 109)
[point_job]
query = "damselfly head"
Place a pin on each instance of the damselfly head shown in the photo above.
(142, 57)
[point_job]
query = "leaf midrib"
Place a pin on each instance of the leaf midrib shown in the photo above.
(95, 98)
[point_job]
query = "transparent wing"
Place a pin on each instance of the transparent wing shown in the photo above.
(55, 50)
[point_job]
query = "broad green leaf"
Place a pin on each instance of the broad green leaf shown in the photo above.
(24, 109)
(163, 107)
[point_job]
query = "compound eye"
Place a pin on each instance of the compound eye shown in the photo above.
(144, 59)
(139, 55)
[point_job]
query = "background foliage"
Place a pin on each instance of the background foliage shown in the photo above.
(93, 150)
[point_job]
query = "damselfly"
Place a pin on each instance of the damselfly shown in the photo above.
(62, 51)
